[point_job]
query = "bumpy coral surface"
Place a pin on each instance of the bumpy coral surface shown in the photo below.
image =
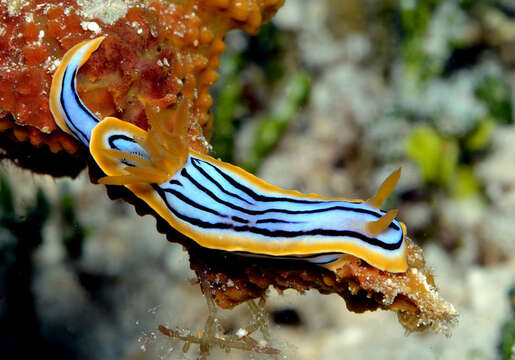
(138, 72)
(412, 295)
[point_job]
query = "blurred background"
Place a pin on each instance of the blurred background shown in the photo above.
(330, 97)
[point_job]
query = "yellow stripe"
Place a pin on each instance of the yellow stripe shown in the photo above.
(301, 246)
(242, 242)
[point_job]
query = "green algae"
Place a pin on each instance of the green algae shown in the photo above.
(507, 343)
(436, 156)
(73, 232)
(272, 127)
(228, 106)
(20, 237)
(496, 94)
(249, 74)
(438, 159)
(480, 137)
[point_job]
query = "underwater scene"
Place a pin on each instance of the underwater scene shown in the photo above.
(257, 179)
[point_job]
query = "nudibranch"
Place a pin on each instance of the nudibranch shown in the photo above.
(216, 204)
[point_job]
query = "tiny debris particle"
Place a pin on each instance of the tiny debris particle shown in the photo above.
(230, 283)
(184, 332)
(241, 333)
(14, 7)
(91, 26)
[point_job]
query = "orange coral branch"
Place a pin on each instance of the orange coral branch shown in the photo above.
(151, 47)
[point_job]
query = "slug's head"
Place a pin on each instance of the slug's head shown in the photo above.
(147, 157)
